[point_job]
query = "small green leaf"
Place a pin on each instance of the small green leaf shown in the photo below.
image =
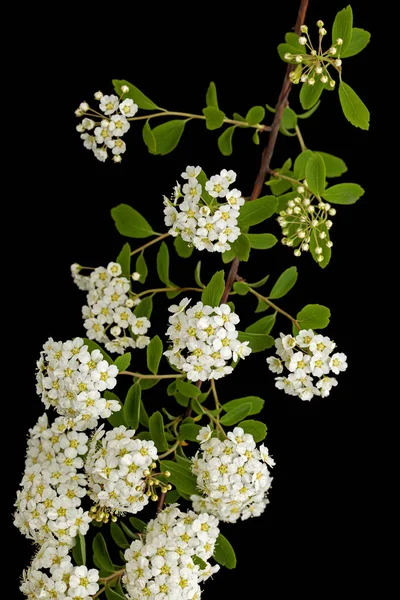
(132, 406)
(79, 550)
(199, 562)
(342, 28)
(145, 308)
(181, 399)
(316, 174)
(289, 118)
(255, 402)
(212, 294)
(118, 536)
(285, 283)
(147, 384)
(181, 476)
(255, 115)
(257, 429)
(225, 141)
(163, 263)
(224, 554)
(343, 193)
(238, 117)
(91, 345)
(261, 241)
(259, 283)
(128, 532)
(183, 249)
(149, 138)
(236, 414)
(137, 524)
(299, 168)
(100, 552)
(257, 341)
(279, 186)
(137, 96)
(317, 242)
(168, 135)
(123, 362)
(284, 199)
(256, 137)
(172, 496)
(263, 325)
(241, 248)
(359, 39)
(214, 117)
(289, 49)
(261, 306)
(197, 272)
(309, 94)
(143, 416)
(112, 595)
(228, 256)
(313, 316)
(154, 352)
(124, 259)
(141, 267)
(156, 427)
(334, 166)
(292, 39)
(187, 389)
(310, 112)
(189, 432)
(241, 288)
(353, 107)
(257, 211)
(211, 96)
(130, 222)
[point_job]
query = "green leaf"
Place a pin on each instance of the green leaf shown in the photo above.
(143, 416)
(187, 389)
(313, 316)
(181, 399)
(257, 429)
(334, 166)
(156, 427)
(154, 352)
(256, 211)
(93, 346)
(261, 306)
(284, 199)
(228, 256)
(241, 248)
(299, 167)
(257, 341)
(353, 107)
(261, 241)
(163, 263)
(292, 39)
(225, 141)
(256, 137)
(309, 94)
(79, 550)
(236, 414)
(137, 96)
(211, 96)
(147, 384)
(342, 28)
(141, 267)
(202, 179)
(183, 249)
(123, 362)
(124, 259)
(149, 138)
(118, 536)
(315, 242)
(359, 39)
(316, 174)
(131, 223)
(278, 186)
(289, 118)
(259, 283)
(132, 406)
(168, 135)
(100, 552)
(116, 419)
(112, 595)
(197, 272)
(238, 117)
(241, 288)
(181, 476)
(263, 325)
(145, 308)
(199, 562)
(137, 524)
(172, 497)
(224, 554)
(343, 193)
(285, 283)
(289, 49)
(310, 112)
(255, 115)
(189, 432)
(212, 294)
(214, 117)
(255, 402)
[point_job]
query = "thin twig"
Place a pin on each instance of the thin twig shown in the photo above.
(275, 307)
(141, 376)
(157, 239)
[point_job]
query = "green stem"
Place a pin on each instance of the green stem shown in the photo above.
(170, 451)
(202, 117)
(157, 239)
(168, 289)
(215, 394)
(141, 376)
(300, 138)
(275, 307)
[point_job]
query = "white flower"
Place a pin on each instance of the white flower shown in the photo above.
(114, 269)
(275, 364)
(325, 384)
(118, 125)
(338, 362)
(304, 338)
(109, 104)
(128, 108)
(117, 147)
(265, 456)
(217, 186)
(191, 172)
(204, 434)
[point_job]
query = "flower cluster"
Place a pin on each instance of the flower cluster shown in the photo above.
(109, 309)
(103, 131)
(313, 65)
(118, 470)
(204, 339)
(205, 223)
(64, 582)
(49, 503)
(232, 474)
(164, 564)
(71, 379)
(308, 357)
(305, 223)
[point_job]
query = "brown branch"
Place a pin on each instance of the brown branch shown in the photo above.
(160, 503)
(270, 147)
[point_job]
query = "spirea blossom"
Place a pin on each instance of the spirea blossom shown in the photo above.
(233, 476)
(118, 467)
(162, 565)
(205, 218)
(71, 380)
(204, 339)
(308, 358)
(109, 317)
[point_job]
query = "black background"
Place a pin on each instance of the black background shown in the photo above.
(308, 538)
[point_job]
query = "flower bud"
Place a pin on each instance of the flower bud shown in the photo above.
(297, 252)
(332, 50)
(339, 41)
(311, 81)
(320, 258)
(332, 211)
(320, 23)
(98, 95)
(338, 62)
(322, 31)
(135, 276)
(302, 40)
(324, 79)
(304, 29)
(124, 89)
